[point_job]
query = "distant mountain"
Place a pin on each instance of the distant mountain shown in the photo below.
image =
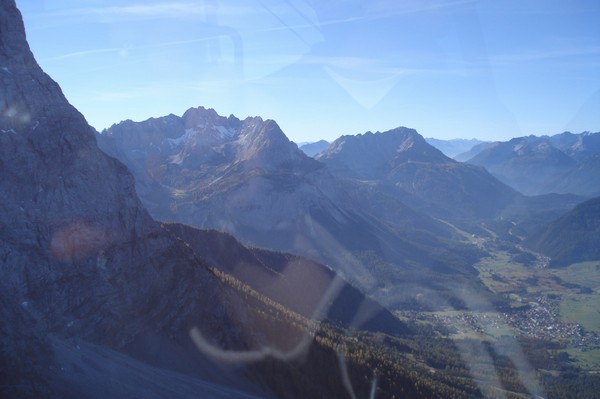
(246, 178)
(421, 175)
(465, 156)
(574, 237)
(452, 148)
(312, 149)
(578, 146)
(565, 163)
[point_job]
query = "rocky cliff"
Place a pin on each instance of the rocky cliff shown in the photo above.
(89, 283)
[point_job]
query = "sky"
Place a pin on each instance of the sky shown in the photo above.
(490, 70)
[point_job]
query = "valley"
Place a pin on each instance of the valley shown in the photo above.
(558, 307)
(205, 255)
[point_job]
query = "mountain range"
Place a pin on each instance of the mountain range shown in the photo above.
(563, 163)
(246, 178)
(419, 174)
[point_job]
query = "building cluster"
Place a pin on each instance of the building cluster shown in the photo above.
(541, 320)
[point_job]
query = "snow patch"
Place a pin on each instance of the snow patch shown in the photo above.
(182, 139)
(225, 133)
(176, 159)
(518, 147)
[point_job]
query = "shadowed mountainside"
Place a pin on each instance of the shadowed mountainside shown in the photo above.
(574, 237)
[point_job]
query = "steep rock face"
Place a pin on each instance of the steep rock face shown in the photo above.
(80, 258)
(422, 176)
(566, 163)
(242, 176)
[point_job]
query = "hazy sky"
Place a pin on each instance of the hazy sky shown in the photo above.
(485, 69)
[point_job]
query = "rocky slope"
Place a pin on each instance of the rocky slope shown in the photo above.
(420, 174)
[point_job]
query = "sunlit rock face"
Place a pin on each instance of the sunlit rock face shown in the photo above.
(242, 176)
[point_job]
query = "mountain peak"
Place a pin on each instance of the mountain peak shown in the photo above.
(30, 101)
(366, 155)
(420, 174)
(202, 136)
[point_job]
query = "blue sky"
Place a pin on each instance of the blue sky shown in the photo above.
(450, 69)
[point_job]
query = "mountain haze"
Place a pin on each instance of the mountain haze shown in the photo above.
(565, 164)
(454, 147)
(312, 149)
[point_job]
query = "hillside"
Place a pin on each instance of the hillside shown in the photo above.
(574, 237)
(305, 287)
